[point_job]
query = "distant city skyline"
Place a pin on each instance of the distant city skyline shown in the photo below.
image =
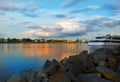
(59, 19)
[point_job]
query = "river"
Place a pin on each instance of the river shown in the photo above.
(17, 57)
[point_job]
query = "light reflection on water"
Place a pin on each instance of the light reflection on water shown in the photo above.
(17, 57)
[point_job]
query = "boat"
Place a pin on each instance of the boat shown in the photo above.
(104, 41)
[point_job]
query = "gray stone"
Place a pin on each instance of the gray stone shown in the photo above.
(51, 67)
(118, 69)
(108, 73)
(102, 63)
(64, 61)
(42, 74)
(72, 76)
(111, 58)
(74, 58)
(45, 80)
(60, 77)
(77, 67)
(100, 57)
(27, 75)
(91, 78)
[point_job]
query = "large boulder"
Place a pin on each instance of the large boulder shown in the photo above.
(91, 78)
(100, 57)
(64, 61)
(50, 67)
(108, 73)
(77, 67)
(112, 65)
(103, 51)
(72, 77)
(60, 77)
(73, 58)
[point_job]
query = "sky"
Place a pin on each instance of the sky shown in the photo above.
(59, 19)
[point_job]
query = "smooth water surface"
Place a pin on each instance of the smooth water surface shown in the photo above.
(17, 57)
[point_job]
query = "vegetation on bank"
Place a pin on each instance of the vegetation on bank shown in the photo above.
(28, 40)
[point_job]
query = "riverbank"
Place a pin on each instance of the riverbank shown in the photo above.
(100, 65)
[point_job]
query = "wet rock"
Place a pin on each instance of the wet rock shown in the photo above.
(51, 67)
(91, 78)
(100, 57)
(60, 77)
(77, 67)
(14, 78)
(108, 73)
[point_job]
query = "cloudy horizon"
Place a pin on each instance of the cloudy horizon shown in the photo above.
(60, 19)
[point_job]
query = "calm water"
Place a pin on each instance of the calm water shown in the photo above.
(17, 57)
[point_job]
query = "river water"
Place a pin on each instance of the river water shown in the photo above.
(17, 57)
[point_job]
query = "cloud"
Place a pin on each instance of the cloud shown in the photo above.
(25, 10)
(72, 2)
(2, 13)
(2, 20)
(71, 28)
(59, 30)
(89, 8)
(33, 27)
(115, 8)
(60, 16)
(103, 22)
(30, 14)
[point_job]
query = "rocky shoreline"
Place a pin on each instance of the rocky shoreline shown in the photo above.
(102, 65)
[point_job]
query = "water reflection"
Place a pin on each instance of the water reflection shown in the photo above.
(45, 51)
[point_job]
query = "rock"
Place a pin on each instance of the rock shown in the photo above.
(87, 63)
(83, 53)
(72, 76)
(112, 65)
(103, 51)
(77, 67)
(108, 73)
(64, 61)
(91, 78)
(14, 78)
(102, 63)
(68, 66)
(27, 75)
(51, 67)
(100, 57)
(112, 59)
(42, 74)
(118, 69)
(73, 58)
(45, 80)
(60, 77)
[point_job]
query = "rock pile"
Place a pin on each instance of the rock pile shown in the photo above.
(102, 65)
